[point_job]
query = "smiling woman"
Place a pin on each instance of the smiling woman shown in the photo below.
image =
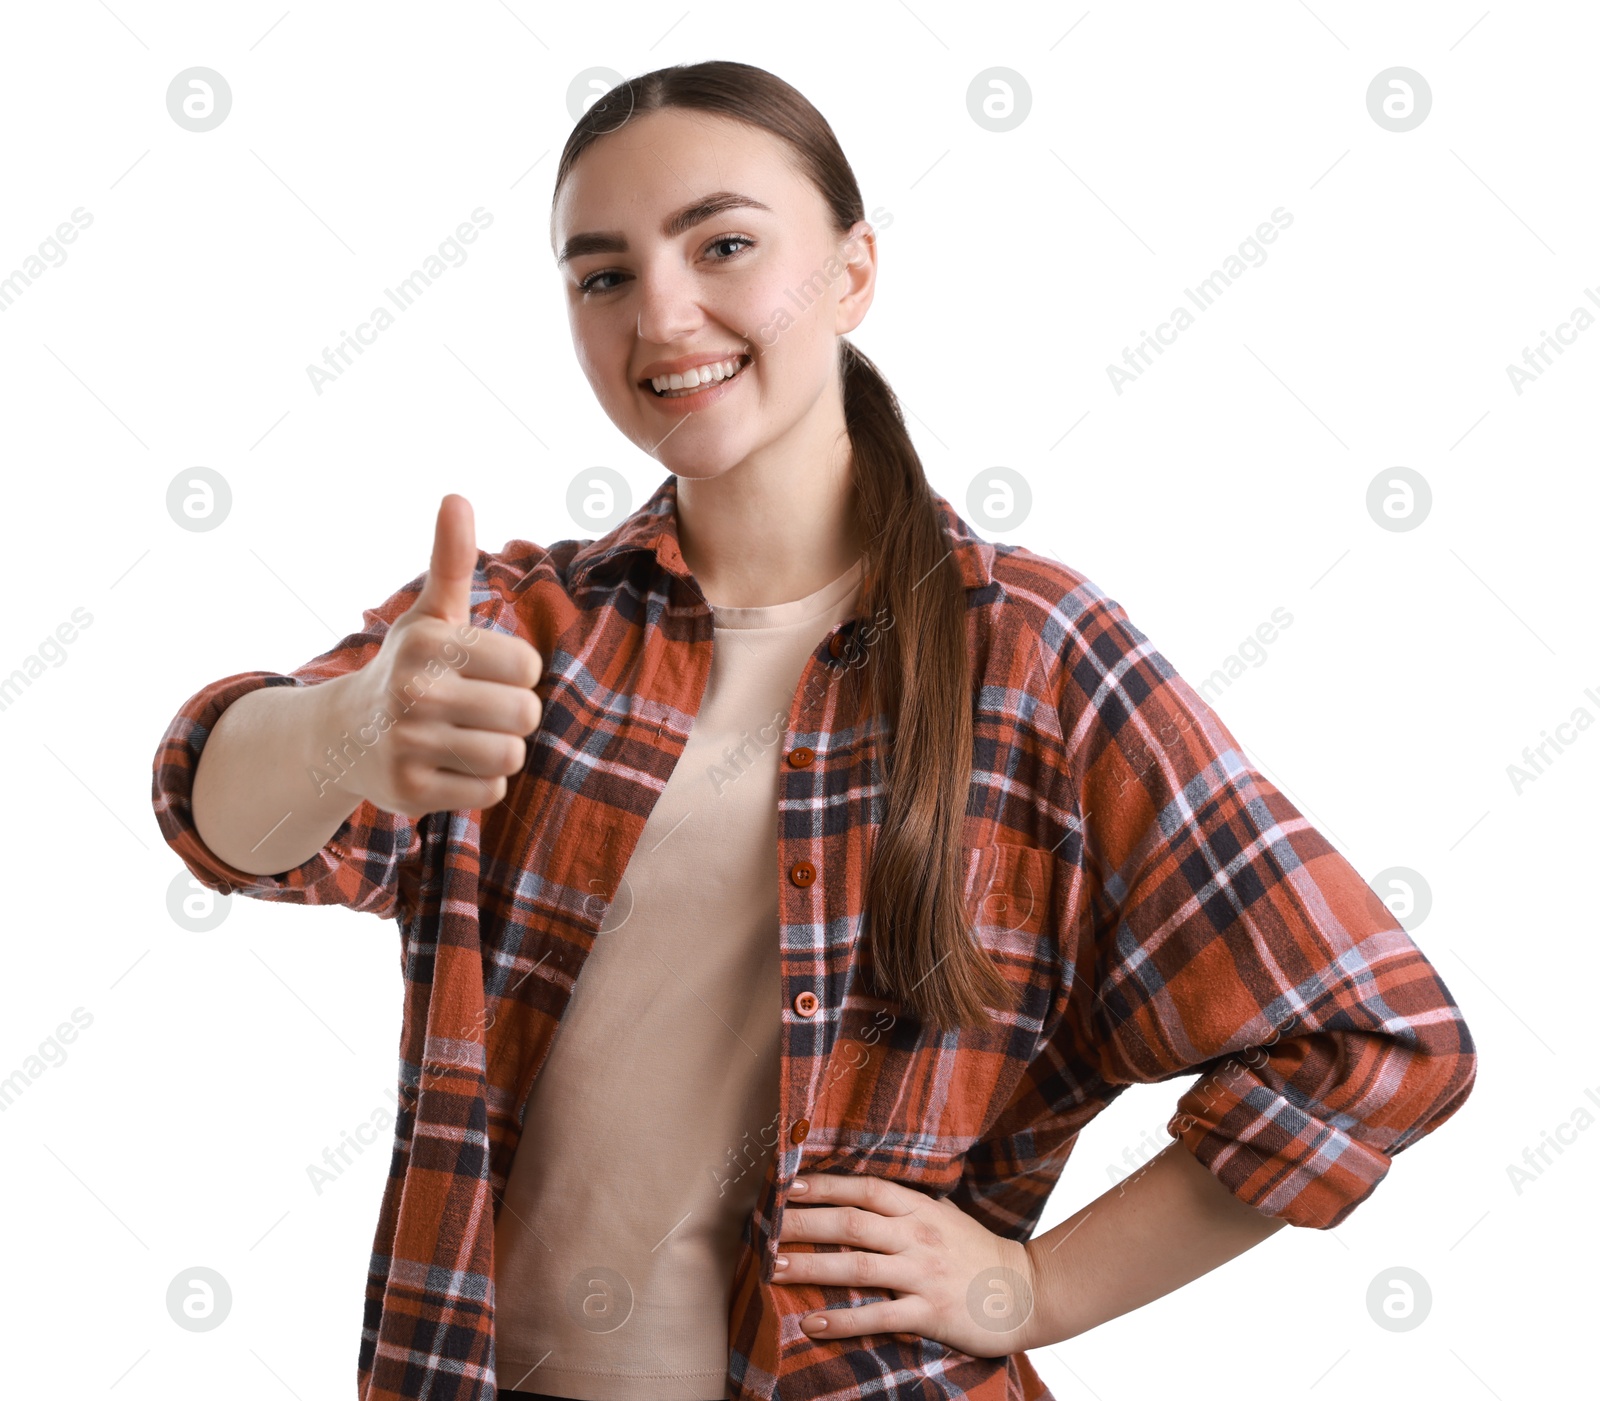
(827, 1033)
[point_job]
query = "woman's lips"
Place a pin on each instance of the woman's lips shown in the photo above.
(704, 396)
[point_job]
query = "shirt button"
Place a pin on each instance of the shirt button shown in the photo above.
(802, 873)
(836, 643)
(806, 1004)
(799, 1130)
(801, 758)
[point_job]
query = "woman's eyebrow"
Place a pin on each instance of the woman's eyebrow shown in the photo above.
(679, 221)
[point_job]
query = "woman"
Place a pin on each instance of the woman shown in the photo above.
(889, 857)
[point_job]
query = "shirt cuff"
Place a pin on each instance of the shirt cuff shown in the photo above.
(1308, 1168)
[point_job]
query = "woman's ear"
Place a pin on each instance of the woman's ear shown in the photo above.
(858, 251)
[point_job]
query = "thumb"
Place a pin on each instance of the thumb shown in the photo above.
(446, 592)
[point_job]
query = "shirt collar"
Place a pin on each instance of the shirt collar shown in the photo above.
(654, 527)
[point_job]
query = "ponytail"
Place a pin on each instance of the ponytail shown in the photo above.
(920, 944)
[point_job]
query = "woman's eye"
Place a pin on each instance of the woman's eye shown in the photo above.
(731, 238)
(588, 284)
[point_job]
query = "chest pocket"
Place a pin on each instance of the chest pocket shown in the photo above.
(1008, 897)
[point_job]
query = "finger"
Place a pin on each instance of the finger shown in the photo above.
(451, 792)
(858, 1189)
(495, 707)
(447, 591)
(486, 705)
(848, 1269)
(842, 1225)
(856, 1320)
(498, 656)
(480, 754)
(491, 756)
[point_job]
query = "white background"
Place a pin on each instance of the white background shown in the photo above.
(1229, 480)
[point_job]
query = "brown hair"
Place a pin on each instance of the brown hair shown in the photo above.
(920, 943)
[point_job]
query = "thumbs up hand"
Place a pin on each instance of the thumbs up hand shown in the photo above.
(458, 734)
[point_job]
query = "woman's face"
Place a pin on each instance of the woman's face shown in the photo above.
(689, 238)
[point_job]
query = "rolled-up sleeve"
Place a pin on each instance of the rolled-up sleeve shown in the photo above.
(1209, 927)
(371, 863)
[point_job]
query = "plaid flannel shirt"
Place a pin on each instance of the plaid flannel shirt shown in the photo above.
(1158, 906)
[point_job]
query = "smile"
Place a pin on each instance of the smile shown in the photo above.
(698, 380)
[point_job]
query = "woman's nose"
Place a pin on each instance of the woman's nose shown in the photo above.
(668, 306)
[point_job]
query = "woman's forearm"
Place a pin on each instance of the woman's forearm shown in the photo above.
(1168, 1223)
(256, 803)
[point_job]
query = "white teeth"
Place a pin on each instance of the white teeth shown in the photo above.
(701, 374)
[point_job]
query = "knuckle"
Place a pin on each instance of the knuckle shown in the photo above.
(425, 700)
(411, 639)
(409, 788)
(406, 736)
(516, 753)
(853, 1223)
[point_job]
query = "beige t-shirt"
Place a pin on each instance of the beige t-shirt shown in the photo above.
(650, 1123)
